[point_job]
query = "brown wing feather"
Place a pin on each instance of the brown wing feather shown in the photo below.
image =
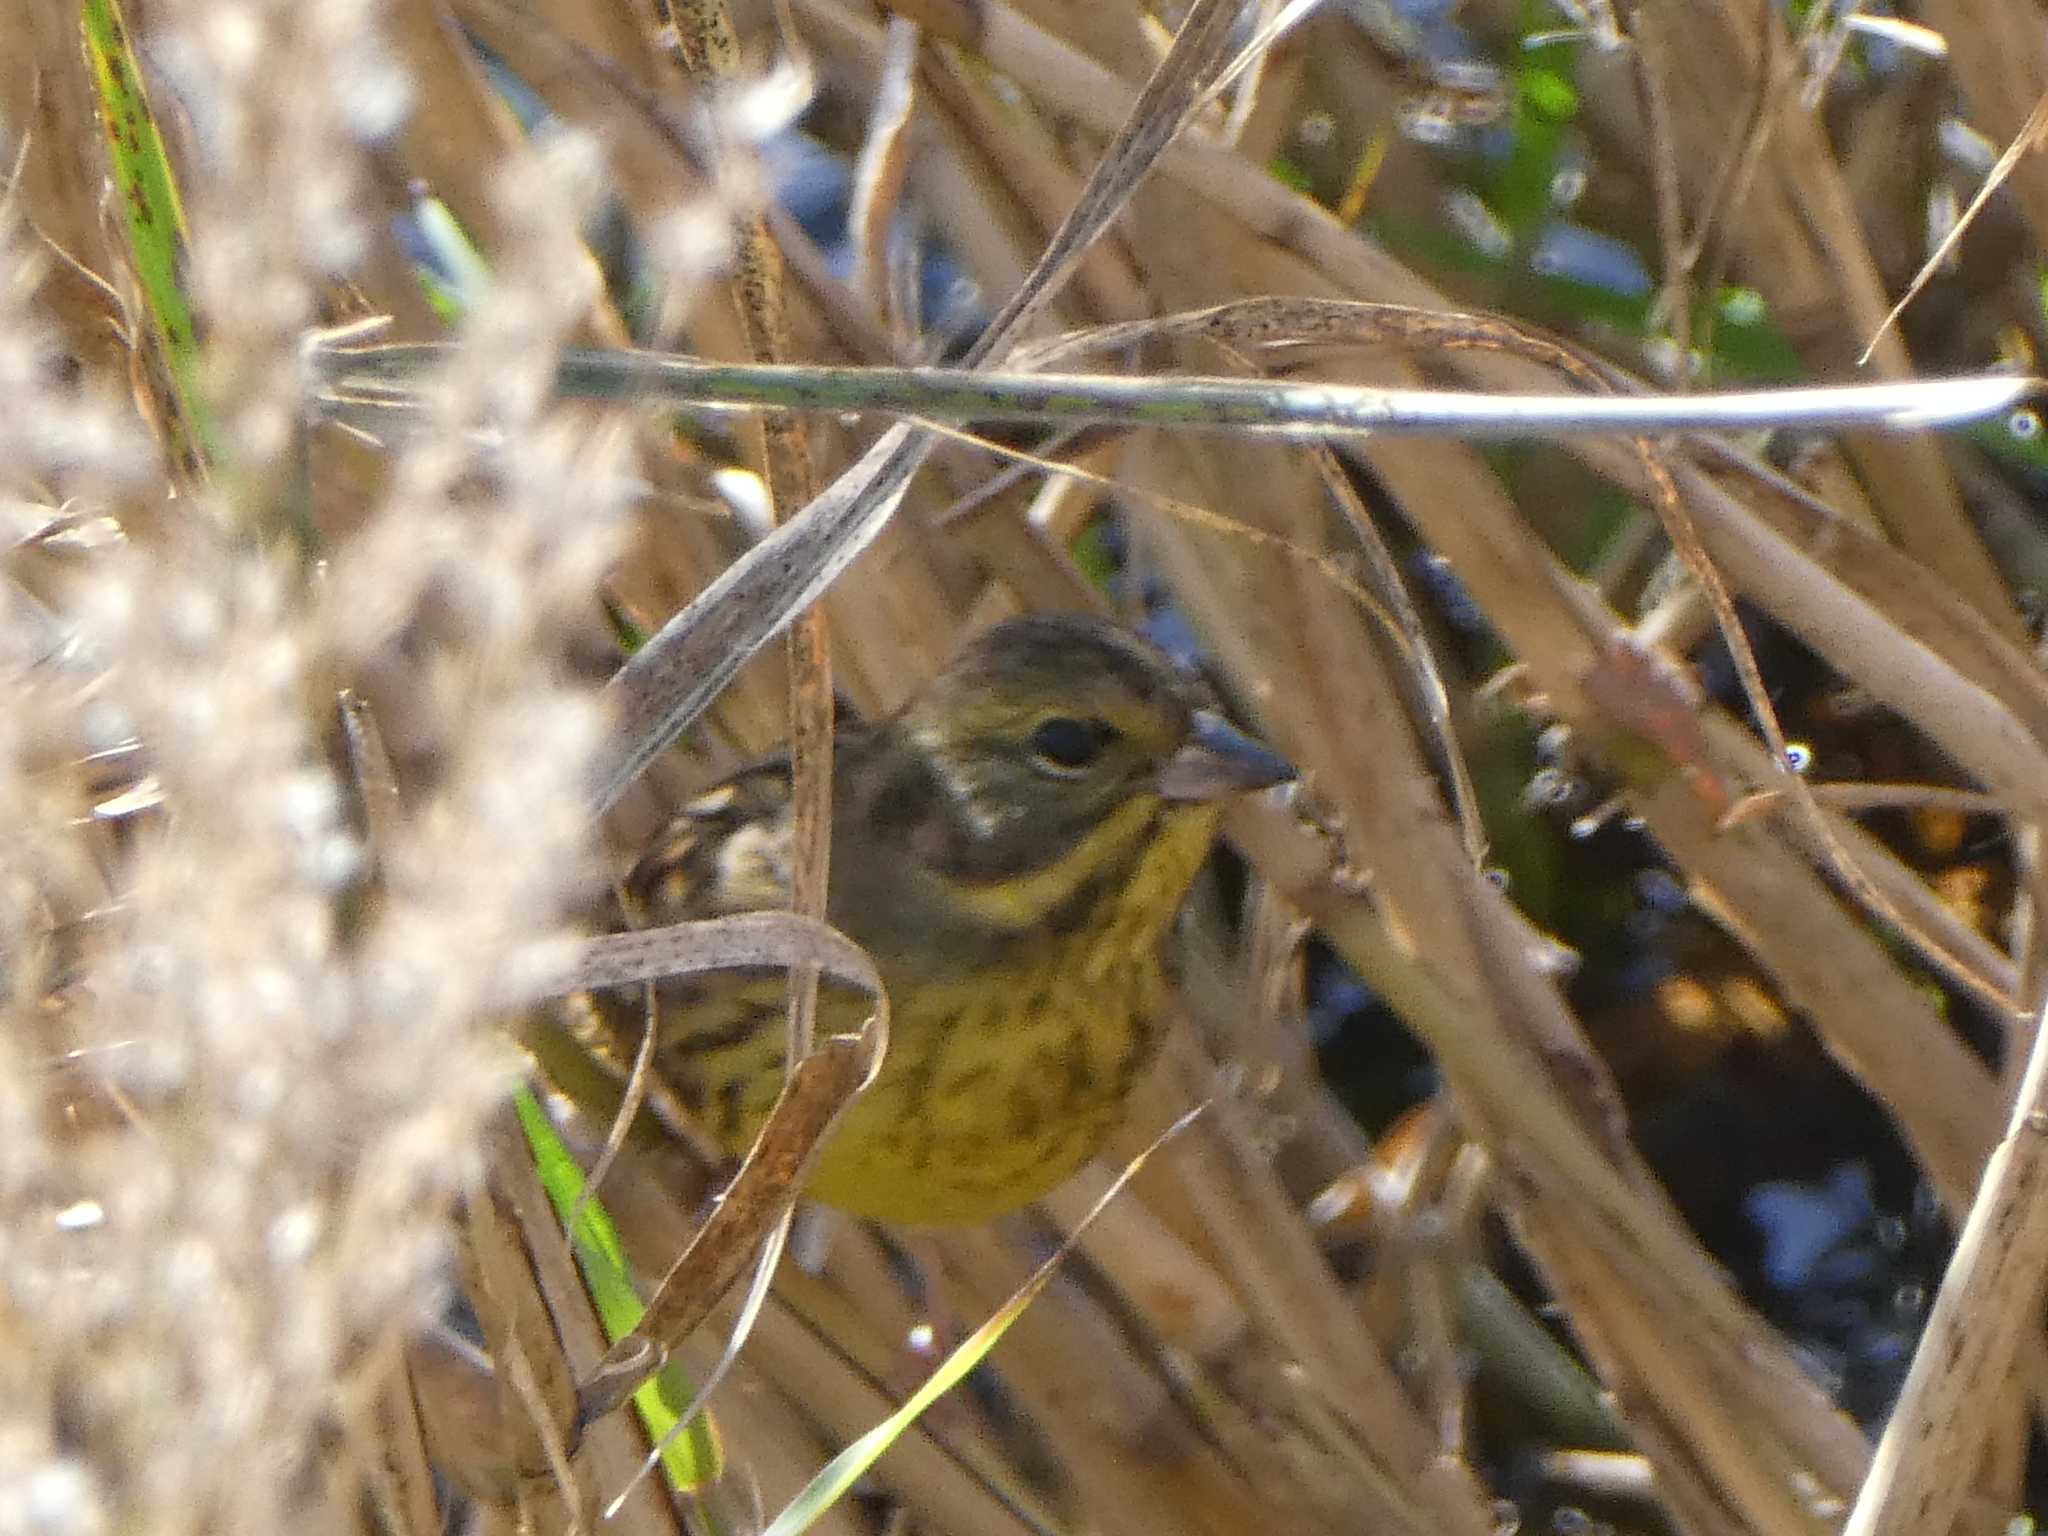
(726, 851)
(721, 1037)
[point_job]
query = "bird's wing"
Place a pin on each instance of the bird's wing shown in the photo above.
(726, 851)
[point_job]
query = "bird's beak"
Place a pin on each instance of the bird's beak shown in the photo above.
(1219, 760)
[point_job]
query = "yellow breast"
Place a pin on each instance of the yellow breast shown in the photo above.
(997, 1085)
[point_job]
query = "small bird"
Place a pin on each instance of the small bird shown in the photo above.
(1011, 849)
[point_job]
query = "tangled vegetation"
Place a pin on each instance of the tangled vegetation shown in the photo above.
(1618, 1063)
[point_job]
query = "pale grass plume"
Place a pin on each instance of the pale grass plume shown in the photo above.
(283, 97)
(238, 1100)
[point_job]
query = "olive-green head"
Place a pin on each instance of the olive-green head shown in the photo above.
(1042, 729)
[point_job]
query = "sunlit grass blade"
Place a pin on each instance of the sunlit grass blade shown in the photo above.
(844, 1470)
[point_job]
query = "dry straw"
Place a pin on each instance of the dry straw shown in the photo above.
(306, 635)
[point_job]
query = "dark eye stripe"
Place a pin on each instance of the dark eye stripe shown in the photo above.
(1063, 742)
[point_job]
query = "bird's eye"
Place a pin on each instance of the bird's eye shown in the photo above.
(1064, 745)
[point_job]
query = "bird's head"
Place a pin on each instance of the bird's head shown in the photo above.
(1054, 746)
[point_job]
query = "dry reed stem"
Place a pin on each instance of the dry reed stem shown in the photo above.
(1418, 869)
(535, 1382)
(1958, 672)
(708, 52)
(1988, 1304)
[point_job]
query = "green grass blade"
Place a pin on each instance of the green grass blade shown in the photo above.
(155, 221)
(695, 1459)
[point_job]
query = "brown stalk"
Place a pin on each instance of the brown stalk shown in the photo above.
(387, 1437)
(1023, 155)
(760, 1194)
(947, 1481)
(461, 1412)
(1429, 700)
(1136, 1453)
(1215, 1265)
(606, 1455)
(710, 58)
(1673, 243)
(1269, 1255)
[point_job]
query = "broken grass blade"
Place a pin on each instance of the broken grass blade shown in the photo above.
(818, 1091)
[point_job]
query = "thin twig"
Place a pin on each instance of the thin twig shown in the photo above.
(361, 380)
(2030, 134)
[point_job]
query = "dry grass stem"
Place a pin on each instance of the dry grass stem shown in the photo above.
(357, 630)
